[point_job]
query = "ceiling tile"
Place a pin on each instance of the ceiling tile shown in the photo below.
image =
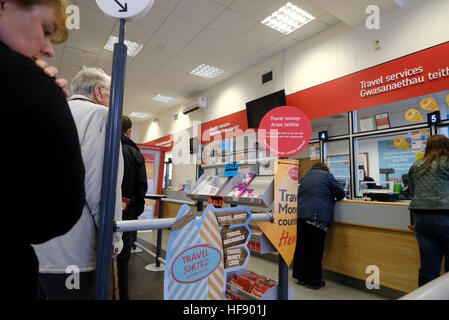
(135, 32)
(256, 9)
(87, 40)
(232, 23)
(154, 18)
(180, 27)
(156, 56)
(213, 40)
(77, 58)
(161, 41)
(308, 30)
(201, 11)
(196, 53)
(262, 36)
(225, 2)
(166, 4)
(281, 45)
(95, 19)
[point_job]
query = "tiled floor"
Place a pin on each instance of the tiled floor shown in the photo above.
(149, 284)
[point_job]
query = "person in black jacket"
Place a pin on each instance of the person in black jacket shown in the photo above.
(43, 174)
(134, 188)
(317, 193)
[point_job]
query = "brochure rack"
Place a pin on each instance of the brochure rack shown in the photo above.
(206, 186)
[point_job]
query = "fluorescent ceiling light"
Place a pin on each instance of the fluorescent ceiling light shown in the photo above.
(139, 115)
(288, 18)
(165, 99)
(205, 71)
(133, 47)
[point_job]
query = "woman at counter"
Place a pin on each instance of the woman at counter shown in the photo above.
(317, 193)
(429, 188)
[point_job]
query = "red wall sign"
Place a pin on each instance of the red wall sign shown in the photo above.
(414, 75)
(285, 131)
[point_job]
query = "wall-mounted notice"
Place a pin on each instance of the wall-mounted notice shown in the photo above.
(429, 103)
(315, 151)
(413, 115)
(201, 252)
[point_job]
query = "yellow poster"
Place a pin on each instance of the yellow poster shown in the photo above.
(429, 103)
(401, 143)
(447, 99)
(282, 232)
(413, 115)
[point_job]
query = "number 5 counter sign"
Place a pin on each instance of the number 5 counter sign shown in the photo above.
(200, 253)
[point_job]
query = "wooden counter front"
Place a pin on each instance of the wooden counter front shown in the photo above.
(351, 248)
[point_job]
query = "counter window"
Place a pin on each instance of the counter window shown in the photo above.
(336, 125)
(337, 158)
(384, 160)
(444, 131)
(401, 113)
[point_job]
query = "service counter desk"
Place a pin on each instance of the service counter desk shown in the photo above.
(170, 210)
(370, 233)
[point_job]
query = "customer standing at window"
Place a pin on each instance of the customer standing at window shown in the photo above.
(317, 193)
(429, 188)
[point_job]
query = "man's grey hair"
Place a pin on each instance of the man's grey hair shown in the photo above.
(87, 79)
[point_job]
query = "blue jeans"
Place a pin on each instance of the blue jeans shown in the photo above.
(432, 233)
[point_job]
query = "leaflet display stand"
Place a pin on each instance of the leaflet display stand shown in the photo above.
(207, 185)
(261, 194)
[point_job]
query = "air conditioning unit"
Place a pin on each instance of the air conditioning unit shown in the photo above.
(197, 104)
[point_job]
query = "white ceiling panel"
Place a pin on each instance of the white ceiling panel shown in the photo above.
(180, 27)
(179, 35)
(135, 32)
(233, 23)
(308, 30)
(201, 11)
(154, 18)
(161, 41)
(212, 40)
(262, 36)
(256, 9)
(166, 4)
(196, 53)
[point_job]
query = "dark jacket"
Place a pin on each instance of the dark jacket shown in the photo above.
(430, 190)
(317, 192)
(134, 184)
(43, 172)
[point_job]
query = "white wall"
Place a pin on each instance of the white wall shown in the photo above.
(340, 50)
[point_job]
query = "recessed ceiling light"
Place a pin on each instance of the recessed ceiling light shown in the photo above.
(288, 19)
(166, 99)
(206, 71)
(133, 47)
(139, 115)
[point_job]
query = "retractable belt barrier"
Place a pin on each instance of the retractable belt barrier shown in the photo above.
(167, 223)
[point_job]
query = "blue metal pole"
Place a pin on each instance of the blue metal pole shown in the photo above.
(110, 168)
